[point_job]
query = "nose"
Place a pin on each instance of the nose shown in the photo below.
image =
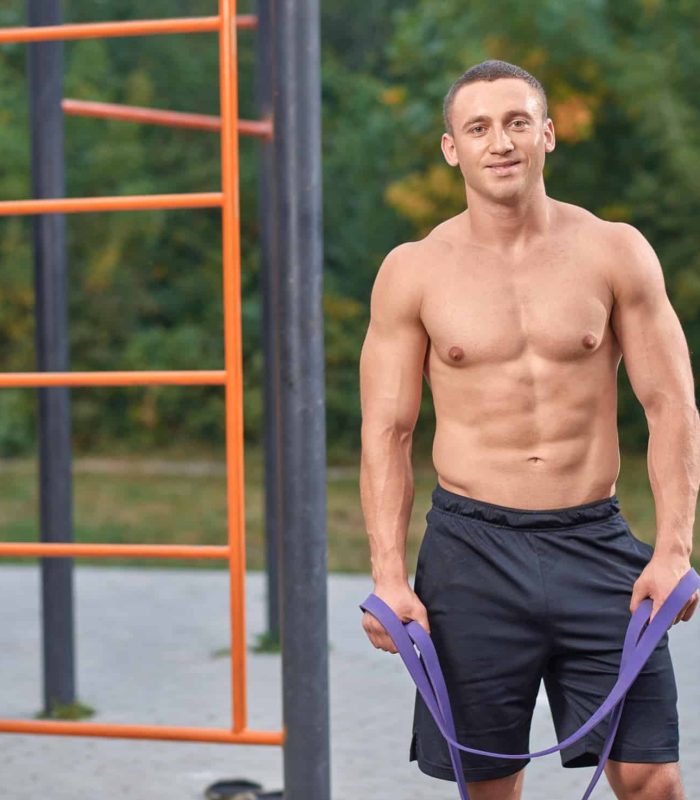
(500, 142)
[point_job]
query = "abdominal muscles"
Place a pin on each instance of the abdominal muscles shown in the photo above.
(541, 437)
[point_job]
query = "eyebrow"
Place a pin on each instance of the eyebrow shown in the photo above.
(518, 112)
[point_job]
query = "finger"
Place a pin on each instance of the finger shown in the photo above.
(382, 641)
(375, 627)
(689, 610)
(683, 614)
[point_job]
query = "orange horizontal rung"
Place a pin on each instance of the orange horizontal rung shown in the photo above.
(63, 549)
(196, 377)
(246, 21)
(101, 30)
(153, 116)
(121, 731)
(75, 205)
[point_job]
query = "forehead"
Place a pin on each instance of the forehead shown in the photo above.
(493, 99)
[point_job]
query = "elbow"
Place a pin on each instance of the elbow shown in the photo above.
(660, 405)
(386, 432)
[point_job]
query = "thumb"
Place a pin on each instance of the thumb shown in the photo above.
(422, 620)
(637, 596)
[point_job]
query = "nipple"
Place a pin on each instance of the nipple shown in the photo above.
(589, 341)
(456, 353)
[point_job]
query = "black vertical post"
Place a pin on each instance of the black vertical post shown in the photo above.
(48, 181)
(303, 570)
(269, 290)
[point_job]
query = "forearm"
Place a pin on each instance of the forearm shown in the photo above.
(673, 459)
(386, 495)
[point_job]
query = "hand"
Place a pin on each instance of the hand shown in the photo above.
(658, 580)
(404, 602)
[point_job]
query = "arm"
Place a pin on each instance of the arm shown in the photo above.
(658, 365)
(391, 374)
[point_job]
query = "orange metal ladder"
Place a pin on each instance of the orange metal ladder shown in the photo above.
(231, 377)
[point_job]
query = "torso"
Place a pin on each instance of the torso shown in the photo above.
(522, 363)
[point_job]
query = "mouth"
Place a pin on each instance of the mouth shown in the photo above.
(505, 167)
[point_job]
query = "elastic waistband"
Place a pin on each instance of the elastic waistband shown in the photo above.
(595, 511)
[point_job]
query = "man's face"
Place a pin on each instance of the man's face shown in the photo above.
(495, 122)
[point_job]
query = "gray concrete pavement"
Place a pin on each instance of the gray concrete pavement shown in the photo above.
(145, 652)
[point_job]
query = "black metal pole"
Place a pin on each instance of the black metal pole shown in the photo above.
(269, 291)
(303, 572)
(54, 426)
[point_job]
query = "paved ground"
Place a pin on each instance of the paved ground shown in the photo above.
(145, 649)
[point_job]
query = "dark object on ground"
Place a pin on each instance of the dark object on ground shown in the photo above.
(232, 789)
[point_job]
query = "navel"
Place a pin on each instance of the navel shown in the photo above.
(589, 341)
(456, 353)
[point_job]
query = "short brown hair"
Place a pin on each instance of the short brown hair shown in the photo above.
(490, 70)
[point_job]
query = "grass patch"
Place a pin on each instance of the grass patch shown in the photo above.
(137, 501)
(68, 711)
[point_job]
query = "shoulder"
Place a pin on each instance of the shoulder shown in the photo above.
(634, 270)
(398, 284)
(447, 235)
(601, 232)
(579, 221)
(400, 265)
(411, 263)
(630, 265)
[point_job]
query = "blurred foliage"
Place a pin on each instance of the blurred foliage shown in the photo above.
(623, 82)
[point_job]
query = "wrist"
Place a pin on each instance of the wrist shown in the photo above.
(389, 575)
(672, 551)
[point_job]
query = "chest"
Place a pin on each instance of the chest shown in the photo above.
(557, 307)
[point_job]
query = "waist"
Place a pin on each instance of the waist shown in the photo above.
(546, 518)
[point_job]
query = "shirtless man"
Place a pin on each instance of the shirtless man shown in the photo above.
(518, 311)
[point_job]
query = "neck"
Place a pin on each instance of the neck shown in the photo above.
(508, 227)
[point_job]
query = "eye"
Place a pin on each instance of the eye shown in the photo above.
(476, 128)
(520, 120)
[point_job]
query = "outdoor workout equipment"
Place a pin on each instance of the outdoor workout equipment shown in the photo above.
(295, 423)
(641, 638)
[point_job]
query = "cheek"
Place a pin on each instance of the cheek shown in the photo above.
(470, 161)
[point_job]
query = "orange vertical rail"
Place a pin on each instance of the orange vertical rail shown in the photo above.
(231, 222)
(231, 377)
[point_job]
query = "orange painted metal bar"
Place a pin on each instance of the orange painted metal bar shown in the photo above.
(121, 731)
(76, 205)
(233, 357)
(202, 377)
(154, 116)
(103, 30)
(231, 377)
(61, 550)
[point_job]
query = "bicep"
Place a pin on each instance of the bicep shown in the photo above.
(650, 335)
(393, 353)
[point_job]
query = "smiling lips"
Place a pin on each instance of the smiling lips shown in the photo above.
(503, 166)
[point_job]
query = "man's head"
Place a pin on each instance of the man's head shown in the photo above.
(494, 113)
(490, 71)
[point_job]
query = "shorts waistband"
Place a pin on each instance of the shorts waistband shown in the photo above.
(595, 511)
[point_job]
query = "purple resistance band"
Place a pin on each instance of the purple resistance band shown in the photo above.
(641, 638)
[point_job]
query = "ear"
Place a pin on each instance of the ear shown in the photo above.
(447, 145)
(550, 140)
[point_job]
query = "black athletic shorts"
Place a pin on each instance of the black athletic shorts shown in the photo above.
(515, 596)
